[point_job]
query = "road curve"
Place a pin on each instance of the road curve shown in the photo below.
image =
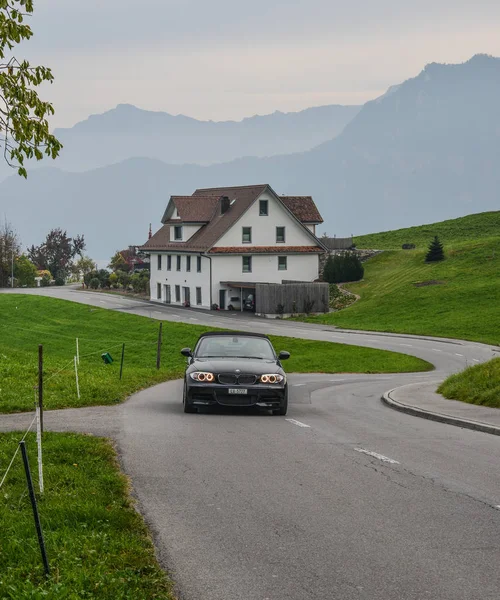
(341, 499)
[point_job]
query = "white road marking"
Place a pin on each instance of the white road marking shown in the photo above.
(192, 319)
(456, 354)
(436, 350)
(102, 301)
(157, 312)
(298, 384)
(408, 345)
(476, 360)
(379, 456)
(337, 380)
(294, 422)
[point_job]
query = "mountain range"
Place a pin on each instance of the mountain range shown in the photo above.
(427, 150)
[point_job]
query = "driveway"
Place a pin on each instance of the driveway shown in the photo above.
(344, 498)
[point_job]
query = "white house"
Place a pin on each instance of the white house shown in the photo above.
(216, 244)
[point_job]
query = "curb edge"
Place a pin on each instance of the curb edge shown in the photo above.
(432, 416)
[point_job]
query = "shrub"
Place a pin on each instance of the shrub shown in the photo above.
(94, 283)
(280, 309)
(59, 281)
(46, 279)
(343, 267)
(408, 246)
(308, 305)
(435, 251)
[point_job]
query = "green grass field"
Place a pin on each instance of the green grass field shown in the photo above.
(457, 297)
(97, 544)
(479, 384)
(26, 321)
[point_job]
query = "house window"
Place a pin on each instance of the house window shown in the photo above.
(186, 292)
(178, 233)
(177, 293)
(178, 262)
(246, 237)
(169, 262)
(281, 263)
(188, 263)
(168, 298)
(263, 208)
(198, 295)
(198, 264)
(247, 264)
(159, 262)
(280, 234)
(158, 291)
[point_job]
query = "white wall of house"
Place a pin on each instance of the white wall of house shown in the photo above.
(183, 278)
(264, 227)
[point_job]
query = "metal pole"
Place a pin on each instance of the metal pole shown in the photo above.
(12, 278)
(35, 509)
(40, 384)
(158, 349)
(121, 364)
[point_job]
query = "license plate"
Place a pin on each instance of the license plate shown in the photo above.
(238, 390)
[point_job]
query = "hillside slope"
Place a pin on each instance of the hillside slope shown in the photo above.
(456, 298)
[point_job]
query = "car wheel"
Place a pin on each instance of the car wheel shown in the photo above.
(187, 407)
(284, 407)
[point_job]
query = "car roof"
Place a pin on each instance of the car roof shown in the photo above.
(228, 333)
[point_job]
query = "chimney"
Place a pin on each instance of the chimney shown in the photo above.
(224, 204)
(150, 232)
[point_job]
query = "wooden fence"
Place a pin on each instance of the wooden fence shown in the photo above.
(291, 298)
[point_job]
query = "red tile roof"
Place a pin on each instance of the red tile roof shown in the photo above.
(264, 249)
(303, 208)
(204, 206)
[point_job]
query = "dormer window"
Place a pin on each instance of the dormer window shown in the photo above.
(178, 233)
(263, 208)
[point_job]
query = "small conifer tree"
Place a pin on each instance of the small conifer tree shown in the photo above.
(435, 251)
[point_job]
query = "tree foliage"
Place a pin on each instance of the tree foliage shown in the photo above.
(24, 128)
(118, 263)
(343, 267)
(56, 254)
(82, 266)
(435, 251)
(10, 248)
(24, 272)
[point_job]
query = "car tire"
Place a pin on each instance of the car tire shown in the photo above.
(187, 407)
(282, 410)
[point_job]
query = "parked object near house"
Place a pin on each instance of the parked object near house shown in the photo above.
(215, 246)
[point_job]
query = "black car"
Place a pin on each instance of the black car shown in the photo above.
(235, 369)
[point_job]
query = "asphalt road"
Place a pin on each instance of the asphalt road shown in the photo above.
(342, 499)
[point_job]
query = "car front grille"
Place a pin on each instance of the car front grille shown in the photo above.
(235, 400)
(232, 379)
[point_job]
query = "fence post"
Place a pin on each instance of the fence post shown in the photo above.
(121, 364)
(77, 383)
(158, 349)
(35, 508)
(40, 384)
(77, 352)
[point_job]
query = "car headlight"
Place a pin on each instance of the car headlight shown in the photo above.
(271, 378)
(202, 376)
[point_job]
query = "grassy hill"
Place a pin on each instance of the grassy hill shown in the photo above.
(457, 297)
(454, 231)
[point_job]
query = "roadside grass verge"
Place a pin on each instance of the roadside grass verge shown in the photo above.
(455, 298)
(479, 384)
(97, 544)
(26, 321)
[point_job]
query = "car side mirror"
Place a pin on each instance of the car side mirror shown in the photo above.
(283, 355)
(186, 352)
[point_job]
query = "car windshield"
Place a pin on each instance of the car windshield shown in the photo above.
(235, 346)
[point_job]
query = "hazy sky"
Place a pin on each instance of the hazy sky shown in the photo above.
(226, 59)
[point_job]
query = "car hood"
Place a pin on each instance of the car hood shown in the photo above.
(229, 365)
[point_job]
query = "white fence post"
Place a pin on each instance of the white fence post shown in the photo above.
(77, 352)
(77, 384)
